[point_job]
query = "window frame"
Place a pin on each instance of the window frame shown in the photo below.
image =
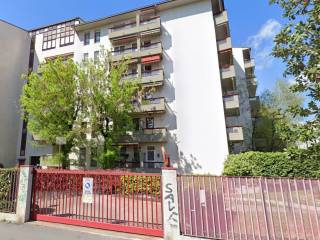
(97, 36)
(86, 38)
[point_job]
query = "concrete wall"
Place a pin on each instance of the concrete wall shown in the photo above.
(244, 119)
(193, 89)
(14, 55)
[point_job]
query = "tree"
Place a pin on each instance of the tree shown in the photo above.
(274, 118)
(110, 105)
(52, 101)
(298, 45)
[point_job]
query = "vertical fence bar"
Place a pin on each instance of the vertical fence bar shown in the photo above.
(224, 207)
(315, 207)
(308, 209)
(270, 207)
(285, 210)
(278, 208)
(211, 204)
(300, 207)
(293, 207)
(243, 210)
(250, 210)
(217, 202)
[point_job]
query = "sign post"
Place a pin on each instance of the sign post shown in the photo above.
(87, 192)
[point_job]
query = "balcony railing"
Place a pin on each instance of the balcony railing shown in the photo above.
(147, 50)
(235, 133)
(124, 51)
(252, 86)
(224, 44)
(130, 76)
(228, 72)
(133, 28)
(154, 77)
(249, 63)
(150, 105)
(231, 101)
(221, 18)
(154, 135)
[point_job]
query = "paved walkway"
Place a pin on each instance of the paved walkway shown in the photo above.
(52, 231)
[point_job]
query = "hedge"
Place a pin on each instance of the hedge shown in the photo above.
(141, 184)
(271, 164)
(6, 185)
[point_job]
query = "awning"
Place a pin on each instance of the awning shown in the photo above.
(151, 59)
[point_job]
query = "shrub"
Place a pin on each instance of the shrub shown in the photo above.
(272, 164)
(6, 186)
(141, 184)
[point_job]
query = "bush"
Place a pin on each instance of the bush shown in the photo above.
(6, 186)
(141, 184)
(272, 164)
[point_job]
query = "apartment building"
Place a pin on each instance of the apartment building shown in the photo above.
(204, 99)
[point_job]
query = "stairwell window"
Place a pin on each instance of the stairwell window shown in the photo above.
(66, 34)
(49, 38)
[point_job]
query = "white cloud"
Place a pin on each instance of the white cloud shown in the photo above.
(262, 43)
(266, 33)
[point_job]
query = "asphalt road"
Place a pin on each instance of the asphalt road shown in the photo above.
(50, 231)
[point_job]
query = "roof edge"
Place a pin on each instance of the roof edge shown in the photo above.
(53, 24)
(13, 25)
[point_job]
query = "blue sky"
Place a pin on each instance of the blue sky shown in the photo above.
(253, 23)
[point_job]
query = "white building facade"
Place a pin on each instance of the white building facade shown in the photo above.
(204, 100)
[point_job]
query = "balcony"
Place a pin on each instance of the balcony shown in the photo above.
(221, 18)
(131, 28)
(249, 63)
(228, 72)
(154, 105)
(235, 134)
(252, 86)
(152, 49)
(154, 135)
(152, 78)
(224, 44)
(231, 104)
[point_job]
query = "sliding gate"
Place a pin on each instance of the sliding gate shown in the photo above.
(110, 200)
(249, 208)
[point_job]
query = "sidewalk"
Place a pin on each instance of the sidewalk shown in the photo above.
(52, 231)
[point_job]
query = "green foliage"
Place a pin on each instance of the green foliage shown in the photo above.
(6, 184)
(53, 102)
(298, 46)
(277, 164)
(141, 184)
(110, 103)
(271, 126)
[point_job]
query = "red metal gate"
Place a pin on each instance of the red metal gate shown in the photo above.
(121, 201)
(249, 208)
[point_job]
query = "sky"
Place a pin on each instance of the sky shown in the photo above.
(253, 23)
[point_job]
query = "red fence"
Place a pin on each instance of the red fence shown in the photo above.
(249, 208)
(9, 182)
(121, 201)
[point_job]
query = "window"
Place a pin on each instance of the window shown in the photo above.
(66, 34)
(97, 37)
(49, 38)
(150, 153)
(150, 123)
(147, 68)
(87, 38)
(85, 56)
(134, 45)
(147, 43)
(96, 56)
(136, 123)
